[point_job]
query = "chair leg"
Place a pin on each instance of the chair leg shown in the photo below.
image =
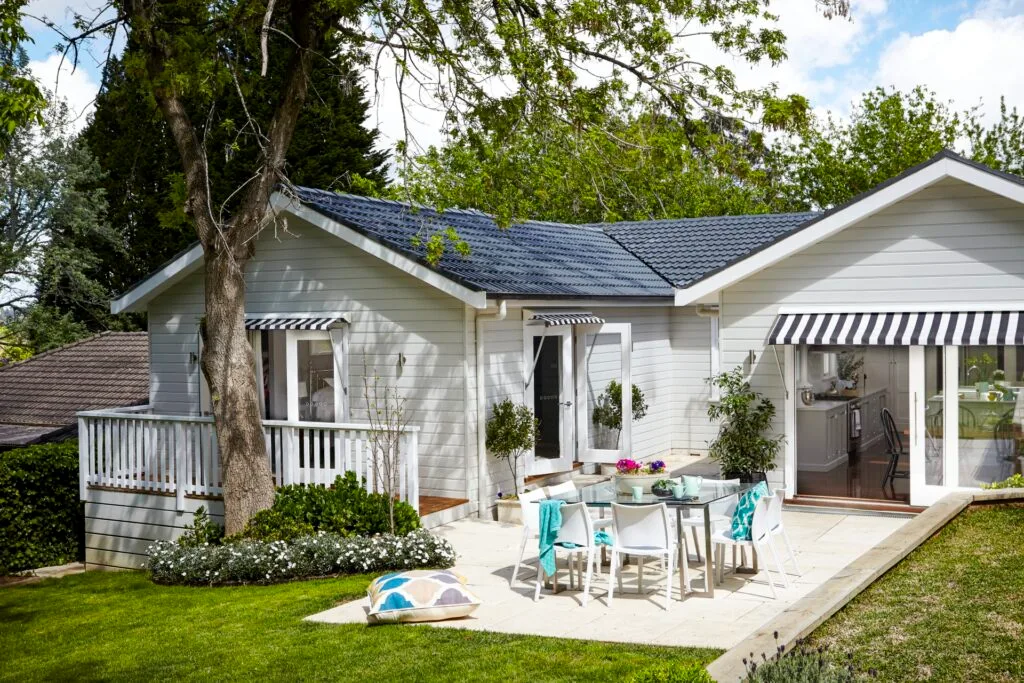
(734, 565)
(611, 576)
(767, 573)
(719, 561)
(522, 552)
(778, 564)
(684, 569)
(537, 582)
(640, 575)
(590, 570)
(668, 581)
(792, 555)
(696, 543)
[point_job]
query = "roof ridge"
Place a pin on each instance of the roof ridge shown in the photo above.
(781, 214)
(78, 342)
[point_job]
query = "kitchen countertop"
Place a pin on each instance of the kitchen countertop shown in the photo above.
(821, 405)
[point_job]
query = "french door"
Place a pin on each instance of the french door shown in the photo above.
(574, 383)
(549, 394)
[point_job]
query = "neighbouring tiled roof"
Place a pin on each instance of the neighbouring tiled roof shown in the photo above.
(525, 259)
(104, 371)
(686, 250)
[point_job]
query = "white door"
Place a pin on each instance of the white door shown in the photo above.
(604, 411)
(933, 383)
(549, 394)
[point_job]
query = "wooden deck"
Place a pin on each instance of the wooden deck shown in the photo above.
(431, 504)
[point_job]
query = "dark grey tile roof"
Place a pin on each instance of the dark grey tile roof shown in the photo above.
(104, 371)
(531, 259)
(686, 250)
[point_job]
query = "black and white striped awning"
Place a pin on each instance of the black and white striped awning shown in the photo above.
(553, 319)
(291, 322)
(987, 328)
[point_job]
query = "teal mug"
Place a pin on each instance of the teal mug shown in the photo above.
(691, 485)
(638, 493)
(678, 491)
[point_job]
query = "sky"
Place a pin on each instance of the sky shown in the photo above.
(967, 51)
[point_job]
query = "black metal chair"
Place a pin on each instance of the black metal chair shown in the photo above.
(895, 451)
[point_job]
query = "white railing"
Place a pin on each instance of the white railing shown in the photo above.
(131, 448)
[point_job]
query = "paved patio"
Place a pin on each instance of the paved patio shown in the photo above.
(824, 543)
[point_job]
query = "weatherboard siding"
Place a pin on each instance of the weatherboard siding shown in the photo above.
(392, 315)
(692, 431)
(948, 244)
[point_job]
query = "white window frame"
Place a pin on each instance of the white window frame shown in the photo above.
(604, 455)
(338, 338)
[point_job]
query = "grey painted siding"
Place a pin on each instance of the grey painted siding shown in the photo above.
(391, 313)
(692, 431)
(120, 526)
(951, 243)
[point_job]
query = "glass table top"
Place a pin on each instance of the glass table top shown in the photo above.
(604, 493)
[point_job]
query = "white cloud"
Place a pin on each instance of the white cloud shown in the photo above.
(977, 61)
(77, 88)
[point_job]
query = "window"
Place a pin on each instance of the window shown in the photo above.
(988, 416)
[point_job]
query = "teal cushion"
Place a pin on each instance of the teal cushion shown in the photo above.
(744, 515)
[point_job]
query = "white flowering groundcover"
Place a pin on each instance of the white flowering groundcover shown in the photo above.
(307, 557)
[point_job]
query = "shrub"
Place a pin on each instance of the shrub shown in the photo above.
(691, 672)
(803, 664)
(511, 431)
(1014, 482)
(41, 518)
(742, 446)
(345, 509)
(248, 561)
(202, 531)
(608, 406)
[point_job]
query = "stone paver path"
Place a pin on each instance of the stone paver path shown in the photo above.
(824, 543)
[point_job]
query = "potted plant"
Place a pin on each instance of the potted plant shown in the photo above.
(848, 370)
(743, 448)
(630, 473)
(511, 430)
(608, 409)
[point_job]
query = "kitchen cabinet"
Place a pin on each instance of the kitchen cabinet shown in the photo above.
(823, 436)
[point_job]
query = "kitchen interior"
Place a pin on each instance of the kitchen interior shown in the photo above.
(841, 448)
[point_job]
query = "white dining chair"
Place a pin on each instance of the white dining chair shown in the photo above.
(575, 538)
(529, 509)
(777, 528)
(720, 512)
(759, 537)
(641, 531)
(570, 487)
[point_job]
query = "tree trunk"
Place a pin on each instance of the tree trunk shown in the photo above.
(228, 365)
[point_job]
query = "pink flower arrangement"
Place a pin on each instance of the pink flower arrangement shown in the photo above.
(630, 466)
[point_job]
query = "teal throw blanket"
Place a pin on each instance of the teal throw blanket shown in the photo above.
(550, 523)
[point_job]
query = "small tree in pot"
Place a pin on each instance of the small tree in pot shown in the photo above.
(511, 431)
(742, 448)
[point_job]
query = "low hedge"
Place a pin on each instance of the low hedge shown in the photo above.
(325, 554)
(41, 518)
(344, 508)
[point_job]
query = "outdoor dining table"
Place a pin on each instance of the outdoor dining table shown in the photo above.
(602, 494)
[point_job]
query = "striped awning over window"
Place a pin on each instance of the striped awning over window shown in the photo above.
(900, 329)
(291, 322)
(553, 319)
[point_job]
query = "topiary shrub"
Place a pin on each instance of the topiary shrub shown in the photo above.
(691, 672)
(41, 518)
(345, 509)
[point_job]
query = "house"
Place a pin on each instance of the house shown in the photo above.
(41, 396)
(906, 298)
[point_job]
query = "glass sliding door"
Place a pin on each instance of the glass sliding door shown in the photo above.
(989, 417)
(604, 412)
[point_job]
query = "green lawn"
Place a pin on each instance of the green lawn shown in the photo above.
(952, 611)
(119, 626)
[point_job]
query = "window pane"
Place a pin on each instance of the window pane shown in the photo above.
(604, 389)
(934, 418)
(989, 416)
(316, 380)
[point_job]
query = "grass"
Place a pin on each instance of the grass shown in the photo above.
(120, 626)
(953, 610)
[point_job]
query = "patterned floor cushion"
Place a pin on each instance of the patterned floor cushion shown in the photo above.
(420, 595)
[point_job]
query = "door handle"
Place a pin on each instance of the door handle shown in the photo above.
(567, 404)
